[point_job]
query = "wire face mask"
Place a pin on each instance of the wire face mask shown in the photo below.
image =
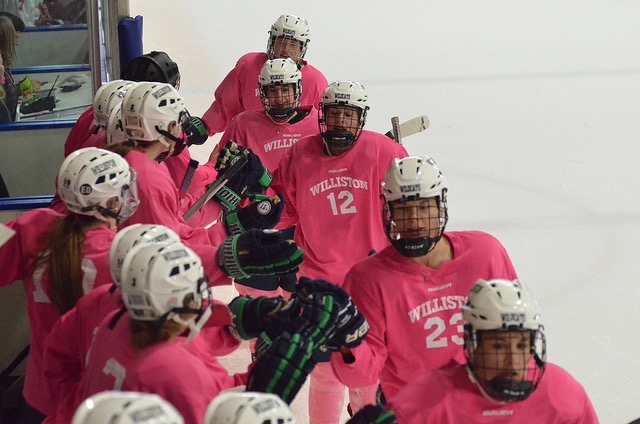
(414, 227)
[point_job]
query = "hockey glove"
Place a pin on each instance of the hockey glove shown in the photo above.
(351, 325)
(256, 176)
(251, 316)
(195, 130)
(373, 414)
(263, 212)
(315, 319)
(283, 368)
(260, 253)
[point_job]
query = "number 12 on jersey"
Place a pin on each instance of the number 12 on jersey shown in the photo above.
(341, 204)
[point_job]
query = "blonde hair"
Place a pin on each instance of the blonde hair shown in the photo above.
(7, 41)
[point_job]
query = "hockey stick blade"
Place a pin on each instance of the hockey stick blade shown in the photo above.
(216, 187)
(411, 127)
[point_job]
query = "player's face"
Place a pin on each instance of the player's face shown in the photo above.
(287, 47)
(503, 354)
(342, 118)
(280, 96)
(417, 218)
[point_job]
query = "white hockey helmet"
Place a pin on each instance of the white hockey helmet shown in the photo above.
(114, 130)
(503, 305)
(343, 94)
(408, 179)
(90, 178)
(280, 72)
(115, 407)
(147, 111)
(108, 97)
(292, 27)
(158, 279)
(130, 237)
(248, 408)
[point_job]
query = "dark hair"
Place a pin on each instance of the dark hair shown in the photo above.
(18, 24)
(154, 67)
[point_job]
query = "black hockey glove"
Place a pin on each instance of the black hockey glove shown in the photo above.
(283, 368)
(373, 414)
(256, 177)
(351, 326)
(315, 318)
(261, 253)
(251, 316)
(263, 213)
(195, 130)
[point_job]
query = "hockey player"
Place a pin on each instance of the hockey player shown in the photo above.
(506, 377)
(165, 292)
(412, 291)
(282, 121)
(67, 344)
(61, 257)
(289, 37)
(331, 183)
(152, 114)
(89, 130)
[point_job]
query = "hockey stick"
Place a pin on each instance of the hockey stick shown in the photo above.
(395, 127)
(216, 186)
(188, 175)
(411, 127)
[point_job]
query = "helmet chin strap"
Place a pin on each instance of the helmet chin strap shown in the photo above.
(486, 395)
(193, 325)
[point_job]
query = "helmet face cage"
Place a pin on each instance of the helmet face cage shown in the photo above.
(342, 113)
(507, 364)
(415, 213)
(280, 82)
(90, 179)
(415, 225)
(505, 343)
(288, 29)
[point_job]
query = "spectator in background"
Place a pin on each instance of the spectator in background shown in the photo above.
(8, 43)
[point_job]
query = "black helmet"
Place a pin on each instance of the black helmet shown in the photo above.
(154, 67)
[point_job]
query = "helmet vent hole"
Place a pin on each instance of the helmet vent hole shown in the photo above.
(174, 271)
(100, 179)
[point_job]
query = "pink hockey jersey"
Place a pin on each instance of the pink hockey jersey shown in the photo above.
(169, 369)
(178, 165)
(239, 91)
(449, 396)
(335, 201)
(160, 204)
(80, 131)
(68, 343)
(414, 311)
(17, 258)
(269, 140)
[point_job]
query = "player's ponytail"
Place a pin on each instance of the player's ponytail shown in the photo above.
(64, 256)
